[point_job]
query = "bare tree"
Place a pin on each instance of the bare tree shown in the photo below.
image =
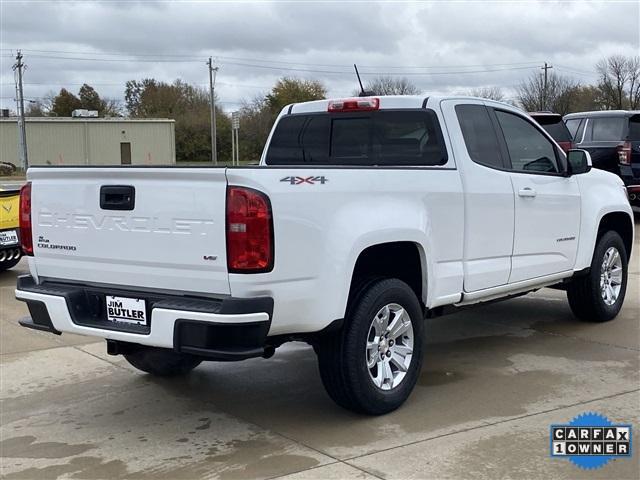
(633, 68)
(111, 107)
(385, 85)
(619, 83)
(557, 97)
(492, 93)
(613, 77)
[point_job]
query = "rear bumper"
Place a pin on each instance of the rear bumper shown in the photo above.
(10, 252)
(218, 328)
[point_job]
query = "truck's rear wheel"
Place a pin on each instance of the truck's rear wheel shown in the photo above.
(161, 362)
(598, 296)
(373, 363)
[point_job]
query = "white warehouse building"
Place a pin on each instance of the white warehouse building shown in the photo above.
(90, 141)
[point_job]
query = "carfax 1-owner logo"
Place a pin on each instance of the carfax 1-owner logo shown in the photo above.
(590, 440)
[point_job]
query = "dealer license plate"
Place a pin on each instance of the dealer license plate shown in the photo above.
(8, 237)
(126, 310)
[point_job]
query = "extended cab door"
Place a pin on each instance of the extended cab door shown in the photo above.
(547, 203)
(488, 195)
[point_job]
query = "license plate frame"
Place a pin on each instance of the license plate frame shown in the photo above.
(8, 238)
(126, 310)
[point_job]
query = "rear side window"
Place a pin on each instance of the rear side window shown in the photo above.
(386, 137)
(529, 149)
(479, 135)
(605, 129)
(572, 126)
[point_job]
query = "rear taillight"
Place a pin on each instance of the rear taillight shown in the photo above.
(26, 236)
(566, 146)
(249, 231)
(354, 105)
(624, 154)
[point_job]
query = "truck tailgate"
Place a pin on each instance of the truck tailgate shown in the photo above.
(173, 238)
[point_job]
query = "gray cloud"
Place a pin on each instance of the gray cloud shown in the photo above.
(450, 37)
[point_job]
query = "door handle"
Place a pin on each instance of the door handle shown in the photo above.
(527, 192)
(117, 197)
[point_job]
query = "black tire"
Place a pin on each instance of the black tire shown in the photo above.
(161, 362)
(584, 294)
(9, 264)
(342, 356)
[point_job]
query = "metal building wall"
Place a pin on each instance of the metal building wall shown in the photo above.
(90, 142)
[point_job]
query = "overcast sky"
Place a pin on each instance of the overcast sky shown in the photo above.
(442, 47)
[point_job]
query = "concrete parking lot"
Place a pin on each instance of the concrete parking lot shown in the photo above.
(494, 379)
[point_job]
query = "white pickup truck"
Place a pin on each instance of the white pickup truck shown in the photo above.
(364, 217)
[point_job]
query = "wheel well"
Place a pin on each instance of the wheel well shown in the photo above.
(621, 223)
(390, 260)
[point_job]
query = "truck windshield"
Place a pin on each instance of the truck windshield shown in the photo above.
(386, 137)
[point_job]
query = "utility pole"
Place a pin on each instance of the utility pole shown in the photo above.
(545, 91)
(212, 100)
(18, 68)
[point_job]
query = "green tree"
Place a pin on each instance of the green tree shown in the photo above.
(89, 98)
(293, 90)
(257, 116)
(64, 103)
(188, 105)
(255, 124)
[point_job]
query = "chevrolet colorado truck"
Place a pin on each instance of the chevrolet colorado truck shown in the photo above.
(365, 216)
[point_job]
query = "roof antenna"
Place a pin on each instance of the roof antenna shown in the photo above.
(362, 93)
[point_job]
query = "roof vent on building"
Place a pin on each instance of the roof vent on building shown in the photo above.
(84, 113)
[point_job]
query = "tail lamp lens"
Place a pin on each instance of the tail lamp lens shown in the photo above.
(624, 154)
(249, 231)
(26, 235)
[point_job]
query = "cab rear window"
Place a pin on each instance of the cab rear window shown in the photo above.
(386, 137)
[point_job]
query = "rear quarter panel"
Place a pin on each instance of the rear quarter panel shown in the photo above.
(321, 228)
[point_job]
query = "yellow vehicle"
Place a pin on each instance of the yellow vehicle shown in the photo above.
(10, 251)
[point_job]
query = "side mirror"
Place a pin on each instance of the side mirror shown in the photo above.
(578, 161)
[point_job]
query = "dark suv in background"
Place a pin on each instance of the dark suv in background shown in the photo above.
(612, 137)
(553, 124)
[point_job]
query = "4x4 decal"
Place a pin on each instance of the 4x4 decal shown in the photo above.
(300, 180)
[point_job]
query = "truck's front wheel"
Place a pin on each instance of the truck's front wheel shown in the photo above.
(161, 362)
(598, 296)
(373, 363)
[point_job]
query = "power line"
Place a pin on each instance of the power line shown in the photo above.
(576, 72)
(306, 70)
(182, 57)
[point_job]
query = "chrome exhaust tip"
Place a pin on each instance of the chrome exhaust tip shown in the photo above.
(9, 255)
(3, 256)
(17, 253)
